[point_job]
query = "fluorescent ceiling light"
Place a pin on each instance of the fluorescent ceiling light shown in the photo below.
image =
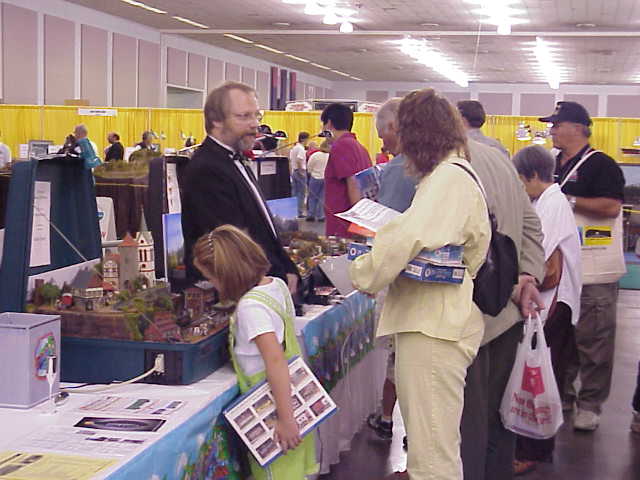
(297, 58)
(267, 48)
(546, 63)
(143, 5)
(313, 8)
(356, 78)
(425, 54)
(320, 66)
(294, 2)
(330, 18)
(190, 22)
(236, 37)
(341, 73)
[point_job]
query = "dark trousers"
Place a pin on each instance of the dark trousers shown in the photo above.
(560, 337)
(636, 396)
(488, 448)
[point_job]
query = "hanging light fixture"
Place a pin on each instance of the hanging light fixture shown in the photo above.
(346, 27)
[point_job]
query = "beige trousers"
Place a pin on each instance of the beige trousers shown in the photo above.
(430, 379)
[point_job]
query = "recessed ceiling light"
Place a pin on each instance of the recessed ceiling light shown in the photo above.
(296, 58)
(268, 48)
(604, 70)
(586, 25)
(143, 5)
(236, 37)
(429, 24)
(282, 24)
(190, 22)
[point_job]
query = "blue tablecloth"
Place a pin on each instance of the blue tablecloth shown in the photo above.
(339, 338)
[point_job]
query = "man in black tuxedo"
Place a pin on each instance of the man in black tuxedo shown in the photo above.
(219, 188)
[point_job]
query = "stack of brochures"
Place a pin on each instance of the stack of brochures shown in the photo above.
(443, 265)
(253, 415)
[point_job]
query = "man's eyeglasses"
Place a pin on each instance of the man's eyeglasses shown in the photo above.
(249, 116)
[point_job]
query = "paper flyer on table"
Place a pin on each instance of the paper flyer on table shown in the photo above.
(125, 406)
(63, 439)
(38, 466)
(253, 415)
(369, 214)
(173, 189)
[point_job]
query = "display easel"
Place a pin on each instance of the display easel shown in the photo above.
(74, 232)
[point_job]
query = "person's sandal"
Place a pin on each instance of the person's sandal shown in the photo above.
(522, 467)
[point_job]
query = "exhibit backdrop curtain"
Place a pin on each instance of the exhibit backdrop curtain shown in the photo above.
(608, 134)
(21, 123)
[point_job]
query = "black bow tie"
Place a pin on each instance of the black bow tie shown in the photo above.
(238, 157)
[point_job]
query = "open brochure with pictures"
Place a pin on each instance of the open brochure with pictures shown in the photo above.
(253, 415)
(369, 214)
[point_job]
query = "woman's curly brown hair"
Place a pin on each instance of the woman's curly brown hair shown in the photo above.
(429, 129)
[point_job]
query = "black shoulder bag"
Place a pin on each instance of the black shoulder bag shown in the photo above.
(494, 282)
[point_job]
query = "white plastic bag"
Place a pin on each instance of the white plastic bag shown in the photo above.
(531, 403)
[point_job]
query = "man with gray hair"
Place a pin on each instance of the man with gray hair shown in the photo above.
(396, 192)
(594, 185)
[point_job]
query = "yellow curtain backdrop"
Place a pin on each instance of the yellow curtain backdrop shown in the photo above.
(608, 134)
(21, 123)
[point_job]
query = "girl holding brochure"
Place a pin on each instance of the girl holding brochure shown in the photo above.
(262, 338)
(437, 327)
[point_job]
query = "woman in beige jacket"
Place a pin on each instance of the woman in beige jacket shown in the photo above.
(437, 326)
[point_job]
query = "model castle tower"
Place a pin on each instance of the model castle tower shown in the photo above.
(146, 259)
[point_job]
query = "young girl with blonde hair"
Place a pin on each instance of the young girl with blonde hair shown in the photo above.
(262, 338)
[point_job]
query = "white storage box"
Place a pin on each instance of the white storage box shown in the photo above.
(26, 340)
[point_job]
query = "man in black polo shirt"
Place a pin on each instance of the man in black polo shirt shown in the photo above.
(593, 183)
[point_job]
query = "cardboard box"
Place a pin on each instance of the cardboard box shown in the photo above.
(26, 340)
(429, 266)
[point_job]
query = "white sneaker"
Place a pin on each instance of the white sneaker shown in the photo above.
(586, 420)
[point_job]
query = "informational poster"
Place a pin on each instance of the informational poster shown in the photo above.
(41, 231)
(106, 218)
(36, 466)
(173, 190)
(268, 167)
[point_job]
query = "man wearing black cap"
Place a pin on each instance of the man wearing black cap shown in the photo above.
(593, 183)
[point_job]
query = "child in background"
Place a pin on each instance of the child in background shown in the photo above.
(262, 337)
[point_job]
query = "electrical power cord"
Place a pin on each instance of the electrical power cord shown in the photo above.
(158, 367)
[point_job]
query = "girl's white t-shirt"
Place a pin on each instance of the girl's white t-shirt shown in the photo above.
(254, 318)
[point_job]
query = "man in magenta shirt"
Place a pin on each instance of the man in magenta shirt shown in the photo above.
(347, 157)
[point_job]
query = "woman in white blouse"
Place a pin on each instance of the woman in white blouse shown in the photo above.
(562, 285)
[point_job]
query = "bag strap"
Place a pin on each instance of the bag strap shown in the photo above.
(584, 158)
(475, 178)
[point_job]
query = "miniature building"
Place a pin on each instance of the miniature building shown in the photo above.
(135, 259)
(147, 267)
(198, 301)
(164, 328)
(87, 289)
(111, 270)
